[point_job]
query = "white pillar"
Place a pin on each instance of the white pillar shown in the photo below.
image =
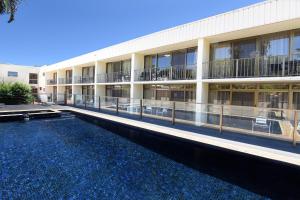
(100, 68)
(201, 88)
(137, 63)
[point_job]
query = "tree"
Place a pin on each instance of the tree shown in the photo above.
(15, 93)
(9, 7)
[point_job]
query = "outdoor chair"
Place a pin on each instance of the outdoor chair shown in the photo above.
(261, 122)
(162, 111)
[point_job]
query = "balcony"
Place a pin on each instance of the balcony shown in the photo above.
(165, 74)
(114, 77)
(51, 82)
(65, 81)
(272, 66)
(85, 79)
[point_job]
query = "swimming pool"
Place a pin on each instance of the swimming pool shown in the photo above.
(71, 158)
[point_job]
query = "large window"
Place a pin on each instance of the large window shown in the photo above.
(296, 44)
(12, 74)
(120, 66)
(184, 93)
(221, 51)
(164, 61)
(275, 45)
(118, 91)
(33, 78)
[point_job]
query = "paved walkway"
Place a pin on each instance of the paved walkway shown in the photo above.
(257, 146)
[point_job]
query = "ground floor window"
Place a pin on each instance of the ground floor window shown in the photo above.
(282, 96)
(88, 92)
(184, 93)
(69, 92)
(118, 91)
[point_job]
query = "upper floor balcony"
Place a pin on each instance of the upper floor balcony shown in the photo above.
(264, 66)
(51, 81)
(65, 81)
(84, 79)
(114, 77)
(166, 74)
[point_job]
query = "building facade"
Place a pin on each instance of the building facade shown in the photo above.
(24, 74)
(246, 57)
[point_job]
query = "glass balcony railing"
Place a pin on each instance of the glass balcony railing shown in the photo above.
(114, 77)
(272, 66)
(51, 82)
(84, 79)
(65, 81)
(163, 74)
(281, 124)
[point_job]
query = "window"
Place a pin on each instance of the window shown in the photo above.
(275, 45)
(12, 74)
(164, 61)
(118, 91)
(191, 57)
(33, 78)
(221, 51)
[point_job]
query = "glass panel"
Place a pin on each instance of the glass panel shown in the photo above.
(243, 86)
(191, 57)
(219, 97)
(126, 66)
(164, 61)
(178, 59)
(276, 45)
(243, 98)
(296, 42)
(149, 91)
(245, 49)
(162, 93)
(296, 100)
(118, 91)
(150, 62)
(219, 86)
(274, 86)
(273, 100)
(221, 51)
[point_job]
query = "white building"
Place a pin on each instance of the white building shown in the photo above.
(249, 56)
(24, 74)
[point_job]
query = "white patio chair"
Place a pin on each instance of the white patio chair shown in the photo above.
(261, 122)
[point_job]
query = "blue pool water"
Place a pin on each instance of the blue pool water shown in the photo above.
(74, 159)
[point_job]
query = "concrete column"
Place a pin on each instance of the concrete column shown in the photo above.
(137, 63)
(201, 88)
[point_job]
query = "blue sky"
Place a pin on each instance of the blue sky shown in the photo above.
(48, 31)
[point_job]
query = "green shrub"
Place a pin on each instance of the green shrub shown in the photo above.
(15, 93)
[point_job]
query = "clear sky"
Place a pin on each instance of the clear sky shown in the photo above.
(49, 31)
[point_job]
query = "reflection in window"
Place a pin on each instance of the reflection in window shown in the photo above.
(275, 45)
(118, 91)
(245, 49)
(178, 59)
(164, 61)
(219, 97)
(221, 51)
(191, 57)
(12, 74)
(150, 62)
(273, 100)
(184, 93)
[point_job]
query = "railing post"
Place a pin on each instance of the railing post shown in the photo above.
(221, 118)
(85, 102)
(141, 108)
(237, 69)
(295, 128)
(173, 113)
(99, 102)
(65, 99)
(74, 100)
(117, 108)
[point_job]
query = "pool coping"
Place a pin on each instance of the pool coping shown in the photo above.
(226, 144)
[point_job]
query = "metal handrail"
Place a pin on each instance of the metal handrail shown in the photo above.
(168, 73)
(84, 79)
(112, 77)
(284, 123)
(263, 66)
